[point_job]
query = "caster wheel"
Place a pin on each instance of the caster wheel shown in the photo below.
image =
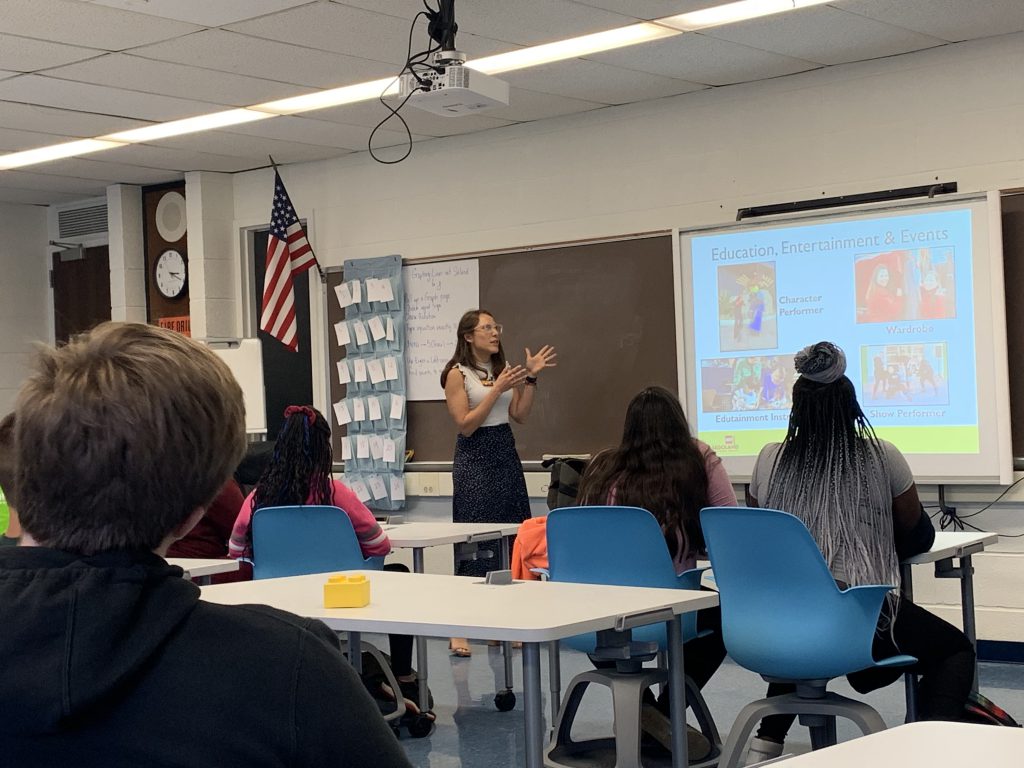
(505, 700)
(420, 726)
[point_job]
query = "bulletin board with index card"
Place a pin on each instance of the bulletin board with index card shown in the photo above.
(366, 340)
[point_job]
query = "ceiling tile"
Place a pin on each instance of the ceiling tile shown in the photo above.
(321, 132)
(43, 181)
(204, 12)
(174, 159)
(48, 91)
(32, 117)
(649, 9)
(268, 59)
(594, 81)
(35, 196)
(23, 54)
(238, 145)
(63, 21)
(148, 76)
(824, 35)
(952, 20)
(96, 167)
(523, 22)
(526, 106)
(700, 59)
(12, 140)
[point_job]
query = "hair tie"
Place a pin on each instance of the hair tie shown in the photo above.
(310, 414)
(823, 362)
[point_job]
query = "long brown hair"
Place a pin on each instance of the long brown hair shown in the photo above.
(464, 351)
(657, 466)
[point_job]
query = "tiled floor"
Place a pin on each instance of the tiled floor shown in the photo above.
(470, 732)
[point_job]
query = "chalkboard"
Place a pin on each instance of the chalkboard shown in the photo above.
(609, 310)
(1013, 277)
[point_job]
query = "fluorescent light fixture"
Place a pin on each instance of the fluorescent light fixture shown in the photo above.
(188, 125)
(570, 49)
(522, 58)
(55, 152)
(348, 94)
(733, 12)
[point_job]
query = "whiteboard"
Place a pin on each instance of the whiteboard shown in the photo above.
(436, 297)
(245, 359)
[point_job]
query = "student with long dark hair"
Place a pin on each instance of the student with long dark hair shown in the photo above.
(483, 392)
(662, 468)
(300, 473)
(857, 497)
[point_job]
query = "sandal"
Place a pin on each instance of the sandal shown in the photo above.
(459, 646)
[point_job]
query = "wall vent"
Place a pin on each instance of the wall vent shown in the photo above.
(81, 222)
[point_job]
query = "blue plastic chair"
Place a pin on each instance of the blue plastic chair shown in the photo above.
(298, 540)
(784, 617)
(621, 546)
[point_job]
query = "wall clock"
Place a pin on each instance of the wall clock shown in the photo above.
(169, 274)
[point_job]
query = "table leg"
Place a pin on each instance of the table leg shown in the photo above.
(506, 647)
(677, 693)
(909, 679)
(967, 603)
(555, 679)
(421, 643)
(533, 707)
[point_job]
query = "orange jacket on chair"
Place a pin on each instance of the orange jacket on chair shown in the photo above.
(530, 549)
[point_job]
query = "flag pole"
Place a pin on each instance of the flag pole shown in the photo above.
(319, 269)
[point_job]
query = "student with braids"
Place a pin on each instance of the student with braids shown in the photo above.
(300, 473)
(857, 497)
(662, 468)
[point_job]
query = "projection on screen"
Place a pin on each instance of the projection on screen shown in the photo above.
(895, 290)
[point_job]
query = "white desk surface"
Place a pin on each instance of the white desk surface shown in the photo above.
(954, 544)
(431, 605)
(412, 535)
(196, 567)
(924, 743)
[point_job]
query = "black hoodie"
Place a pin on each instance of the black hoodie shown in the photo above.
(113, 660)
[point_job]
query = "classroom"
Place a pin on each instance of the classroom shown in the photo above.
(574, 213)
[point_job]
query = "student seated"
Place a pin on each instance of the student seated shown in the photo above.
(209, 537)
(10, 536)
(300, 473)
(857, 497)
(123, 437)
(662, 468)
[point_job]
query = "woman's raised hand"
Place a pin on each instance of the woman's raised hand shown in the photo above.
(510, 377)
(545, 358)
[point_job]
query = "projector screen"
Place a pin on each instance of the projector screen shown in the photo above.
(912, 293)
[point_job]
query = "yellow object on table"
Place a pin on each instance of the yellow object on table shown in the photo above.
(343, 591)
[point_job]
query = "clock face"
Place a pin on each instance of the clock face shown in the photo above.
(170, 274)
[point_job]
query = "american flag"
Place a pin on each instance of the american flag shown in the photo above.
(288, 254)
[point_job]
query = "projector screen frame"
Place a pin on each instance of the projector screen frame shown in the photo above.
(989, 327)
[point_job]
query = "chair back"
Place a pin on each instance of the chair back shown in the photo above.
(783, 615)
(298, 540)
(622, 546)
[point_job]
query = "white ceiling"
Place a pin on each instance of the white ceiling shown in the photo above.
(80, 68)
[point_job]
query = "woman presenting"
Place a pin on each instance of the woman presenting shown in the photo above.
(483, 391)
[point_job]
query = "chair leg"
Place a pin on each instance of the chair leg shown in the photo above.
(389, 675)
(739, 734)
(705, 721)
(627, 700)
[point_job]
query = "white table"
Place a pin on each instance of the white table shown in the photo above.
(201, 568)
(530, 612)
(419, 536)
(927, 743)
(947, 546)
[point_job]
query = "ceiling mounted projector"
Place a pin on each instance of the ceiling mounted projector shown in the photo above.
(451, 89)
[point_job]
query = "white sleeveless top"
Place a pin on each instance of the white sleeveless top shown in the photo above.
(476, 391)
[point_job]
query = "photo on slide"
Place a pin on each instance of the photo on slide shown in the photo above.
(916, 284)
(746, 307)
(763, 383)
(905, 374)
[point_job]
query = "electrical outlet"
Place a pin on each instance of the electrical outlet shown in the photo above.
(422, 483)
(537, 484)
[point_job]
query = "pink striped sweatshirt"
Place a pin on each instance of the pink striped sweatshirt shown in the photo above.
(372, 539)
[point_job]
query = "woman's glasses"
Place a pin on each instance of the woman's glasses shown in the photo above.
(488, 328)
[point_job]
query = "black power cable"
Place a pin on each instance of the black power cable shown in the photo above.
(441, 28)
